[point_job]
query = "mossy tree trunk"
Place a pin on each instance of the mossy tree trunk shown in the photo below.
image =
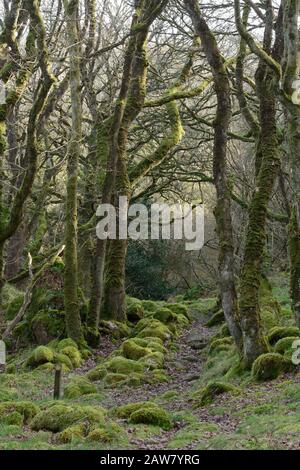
(268, 164)
(223, 208)
(72, 314)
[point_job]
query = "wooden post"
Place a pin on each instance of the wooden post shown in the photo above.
(57, 382)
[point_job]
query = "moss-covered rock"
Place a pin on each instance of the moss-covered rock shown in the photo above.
(134, 310)
(149, 306)
(8, 394)
(285, 344)
(69, 434)
(79, 386)
(113, 379)
(165, 315)
(121, 365)
(50, 366)
(155, 328)
(180, 309)
(115, 329)
(124, 411)
(47, 325)
(25, 408)
(13, 419)
(280, 332)
(132, 350)
(216, 319)
(154, 415)
(154, 360)
(65, 343)
(110, 433)
(41, 355)
(269, 366)
(61, 358)
(221, 344)
(207, 394)
(59, 416)
(96, 374)
(73, 354)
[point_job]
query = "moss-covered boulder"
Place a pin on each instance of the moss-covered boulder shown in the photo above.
(47, 325)
(165, 315)
(115, 329)
(150, 306)
(154, 360)
(79, 386)
(269, 366)
(134, 310)
(124, 411)
(207, 394)
(25, 408)
(69, 434)
(284, 345)
(40, 355)
(96, 374)
(132, 350)
(279, 332)
(154, 415)
(63, 359)
(59, 416)
(110, 433)
(155, 328)
(180, 309)
(73, 354)
(221, 344)
(113, 379)
(121, 365)
(66, 343)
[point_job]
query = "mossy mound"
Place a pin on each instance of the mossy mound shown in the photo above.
(155, 416)
(216, 319)
(69, 434)
(284, 345)
(110, 433)
(79, 386)
(180, 309)
(145, 413)
(8, 394)
(113, 379)
(155, 328)
(41, 355)
(121, 365)
(132, 350)
(25, 408)
(46, 325)
(96, 374)
(13, 419)
(221, 344)
(280, 332)
(66, 343)
(63, 359)
(269, 366)
(134, 310)
(59, 416)
(165, 315)
(114, 329)
(149, 306)
(154, 360)
(73, 354)
(207, 394)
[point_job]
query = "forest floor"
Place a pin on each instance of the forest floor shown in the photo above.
(261, 416)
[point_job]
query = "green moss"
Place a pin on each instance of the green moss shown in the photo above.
(8, 394)
(216, 319)
(115, 329)
(110, 433)
(14, 418)
(224, 331)
(285, 344)
(59, 416)
(180, 309)
(220, 344)
(269, 366)
(280, 332)
(49, 366)
(63, 359)
(165, 315)
(121, 365)
(40, 355)
(134, 310)
(79, 386)
(157, 329)
(65, 343)
(149, 306)
(124, 411)
(96, 374)
(132, 350)
(74, 355)
(207, 394)
(113, 379)
(153, 415)
(153, 360)
(27, 409)
(69, 434)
